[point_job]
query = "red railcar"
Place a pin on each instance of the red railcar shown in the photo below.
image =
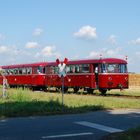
(101, 74)
(31, 75)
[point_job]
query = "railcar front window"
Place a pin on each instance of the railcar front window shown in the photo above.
(113, 68)
(123, 68)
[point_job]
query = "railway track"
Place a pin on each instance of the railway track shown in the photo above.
(113, 95)
(98, 94)
(122, 96)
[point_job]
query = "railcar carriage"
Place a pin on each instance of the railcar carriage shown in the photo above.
(25, 75)
(101, 74)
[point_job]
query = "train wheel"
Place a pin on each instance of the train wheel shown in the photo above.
(76, 89)
(103, 91)
(90, 90)
(65, 89)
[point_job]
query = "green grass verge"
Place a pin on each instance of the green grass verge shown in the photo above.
(130, 92)
(27, 103)
(131, 134)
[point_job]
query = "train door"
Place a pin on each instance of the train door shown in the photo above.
(96, 72)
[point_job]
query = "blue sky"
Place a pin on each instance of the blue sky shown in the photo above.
(43, 30)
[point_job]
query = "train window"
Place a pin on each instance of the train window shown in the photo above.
(24, 71)
(72, 68)
(112, 68)
(85, 68)
(80, 68)
(47, 69)
(50, 70)
(6, 71)
(77, 69)
(43, 70)
(15, 71)
(10, 71)
(20, 71)
(122, 68)
(38, 70)
(56, 70)
(35, 70)
(29, 70)
(103, 68)
(67, 69)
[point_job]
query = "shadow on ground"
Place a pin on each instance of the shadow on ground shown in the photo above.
(35, 108)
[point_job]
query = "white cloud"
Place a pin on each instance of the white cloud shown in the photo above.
(111, 53)
(38, 32)
(48, 51)
(4, 49)
(135, 42)
(31, 45)
(112, 40)
(94, 55)
(116, 52)
(11, 51)
(86, 32)
(106, 53)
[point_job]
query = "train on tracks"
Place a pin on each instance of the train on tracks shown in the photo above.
(101, 74)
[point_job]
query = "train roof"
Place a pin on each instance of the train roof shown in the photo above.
(93, 61)
(26, 65)
(113, 60)
(74, 62)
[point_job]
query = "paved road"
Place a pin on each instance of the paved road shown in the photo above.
(88, 126)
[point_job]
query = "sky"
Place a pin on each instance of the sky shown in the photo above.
(44, 30)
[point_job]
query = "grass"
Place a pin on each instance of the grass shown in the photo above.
(132, 91)
(27, 103)
(131, 134)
